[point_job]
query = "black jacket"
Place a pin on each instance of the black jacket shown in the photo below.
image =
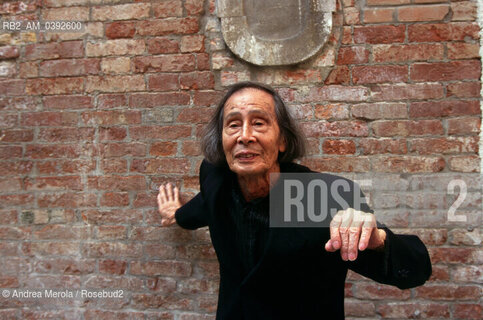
(295, 278)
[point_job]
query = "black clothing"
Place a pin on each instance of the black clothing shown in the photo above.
(295, 277)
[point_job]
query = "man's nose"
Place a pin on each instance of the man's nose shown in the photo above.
(246, 134)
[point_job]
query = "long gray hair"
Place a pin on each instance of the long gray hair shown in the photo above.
(211, 142)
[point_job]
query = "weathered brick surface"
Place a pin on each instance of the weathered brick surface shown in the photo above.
(91, 123)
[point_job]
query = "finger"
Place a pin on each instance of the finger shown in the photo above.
(329, 246)
(366, 233)
(354, 233)
(169, 191)
(344, 234)
(335, 240)
(176, 194)
(162, 193)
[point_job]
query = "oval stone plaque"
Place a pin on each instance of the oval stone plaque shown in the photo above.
(275, 32)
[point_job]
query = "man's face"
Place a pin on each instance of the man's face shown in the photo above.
(251, 136)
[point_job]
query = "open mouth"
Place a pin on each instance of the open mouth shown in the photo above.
(246, 156)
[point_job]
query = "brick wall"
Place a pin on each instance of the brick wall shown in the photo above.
(92, 122)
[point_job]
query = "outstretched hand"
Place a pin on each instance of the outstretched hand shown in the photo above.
(168, 203)
(352, 231)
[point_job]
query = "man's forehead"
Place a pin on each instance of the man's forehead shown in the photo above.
(250, 98)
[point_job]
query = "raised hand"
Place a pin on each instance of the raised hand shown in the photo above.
(352, 230)
(168, 203)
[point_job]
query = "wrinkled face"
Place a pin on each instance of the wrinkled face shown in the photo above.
(251, 136)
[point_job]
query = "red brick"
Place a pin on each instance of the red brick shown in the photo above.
(462, 50)
(69, 67)
(17, 167)
(163, 149)
(379, 34)
(466, 273)
(194, 7)
(10, 184)
(380, 291)
(121, 11)
(379, 111)
(440, 273)
(65, 134)
(111, 232)
(112, 266)
(411, 52)
(197, 80)
(12, 87)
(353, 55)
(111, 249)
(156, 301)
(163, 268)
(352, 16)
(7, 152)
(123, 149)
(192, 43)
(413, 310)
(109, 216)
(160, 166)
(452, 255)
(464, 89)
(42, 151)
(189, 25)
(467, 311)
(16, 135)
(202, 61)
(333, 93)
(9, 52)
(206, 98)
(335, 129)
(338, 147)
(120, 29)
(195, 115)
(464, 125)
(445, 145)
(121, 183)
(191, 148)
(9, 120)
(448, 292)
(378, 146)
(93, 118)
(423, 13)
(54, 50)
(14, 233)
(339, 75)
(66, 200)
(164, 82)
(115, 47)
(160, 132)
(20, 103)
(442, 32)
(407, 128)
(61, 231)
(68, 102)
(444, 71)
(407, 91)
(107, 101)
(378, 74)
(48, 119)
(464, 10)
(408, 164)
(150, 100)
(379, 15)
(332, 111)
(112, 134)
(114, 165)
(115, 83)
(166, 63)
(170, 8)
(444, 108)
(338, 164)
(54, 86)
(464, 163)
(162, 45)
(387, 2)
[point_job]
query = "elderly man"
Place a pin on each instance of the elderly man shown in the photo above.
(279, 273)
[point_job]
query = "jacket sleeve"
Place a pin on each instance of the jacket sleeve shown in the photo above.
(404, 262)
(194, 214)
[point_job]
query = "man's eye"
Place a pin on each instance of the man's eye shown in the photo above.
(259, 123)
(233, 125)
